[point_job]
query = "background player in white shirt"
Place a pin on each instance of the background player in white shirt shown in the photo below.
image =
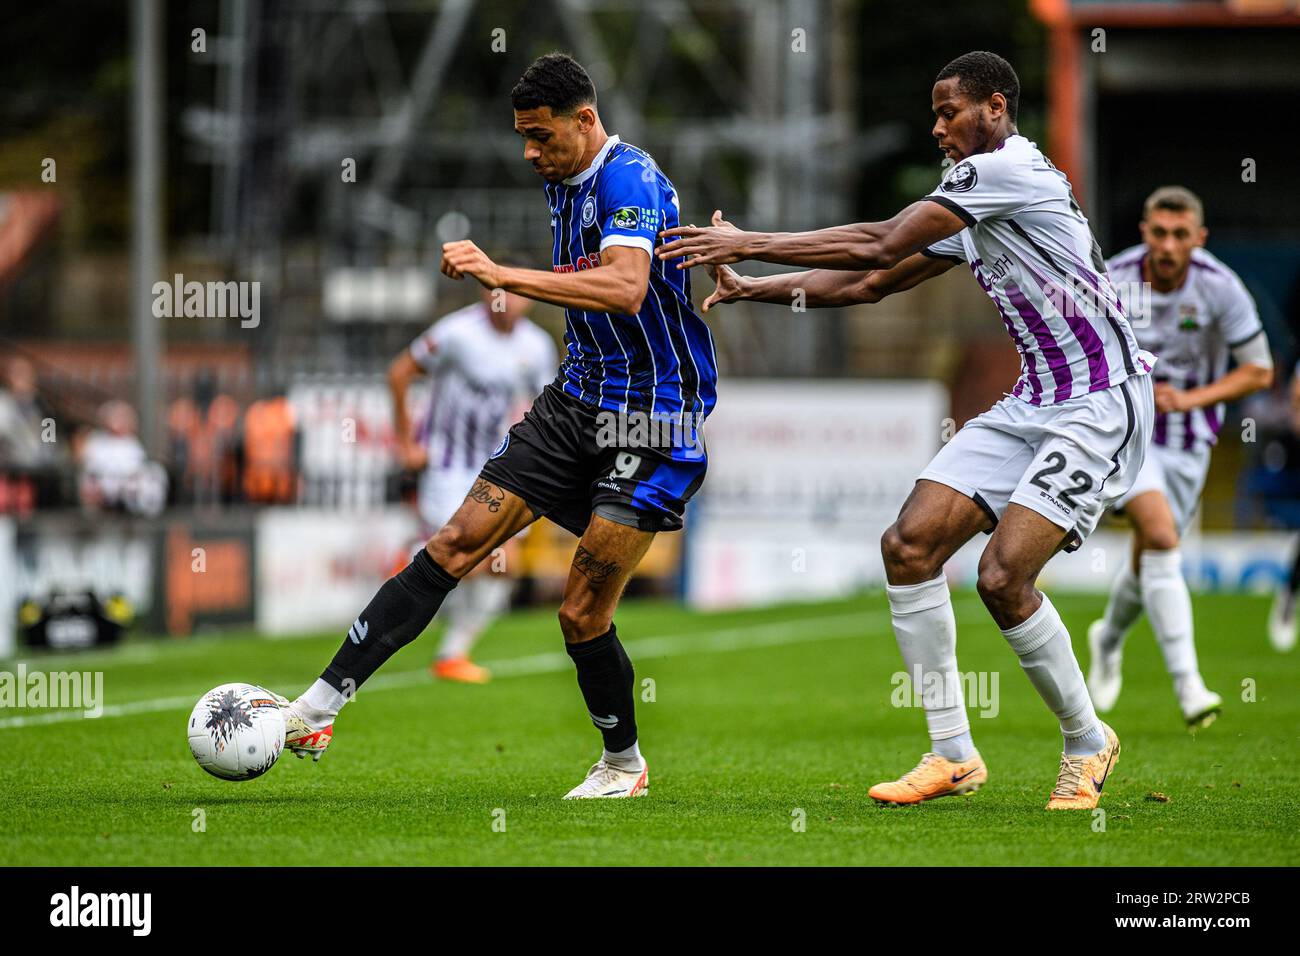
(488, 362)
(1193, 314)
(1038, 469)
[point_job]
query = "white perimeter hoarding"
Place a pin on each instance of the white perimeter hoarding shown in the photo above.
(317, 569)
(803, 479)
(8, 588)
(1227, 561)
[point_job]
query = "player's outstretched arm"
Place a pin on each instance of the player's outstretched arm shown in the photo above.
(825, 288)
(1253, 373)
(863, 245)
(618, 285)
(403, 370)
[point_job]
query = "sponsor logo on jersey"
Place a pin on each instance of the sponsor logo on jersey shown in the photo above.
(589, 210)
(589, 261)
(629, 217)
(501, 448)
(649, 219)
(961, 179)
(1065, 509)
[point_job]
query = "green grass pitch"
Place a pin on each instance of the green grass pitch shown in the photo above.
(760, 720)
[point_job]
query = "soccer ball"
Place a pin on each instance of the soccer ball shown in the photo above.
(237, 731)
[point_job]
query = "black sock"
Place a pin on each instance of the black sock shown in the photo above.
(398, 613)
(606, 679)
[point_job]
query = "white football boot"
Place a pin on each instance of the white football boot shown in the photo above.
(605, 781)
(300, 736)
(1201, 706)
(1104, 675)
(1282, 621)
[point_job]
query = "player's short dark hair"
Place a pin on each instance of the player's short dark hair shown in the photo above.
(980, 74)
(1175, 199)
(556, 80)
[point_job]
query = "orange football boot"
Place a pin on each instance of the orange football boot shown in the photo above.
(460, 669)
(933, 777)
(1080, 779)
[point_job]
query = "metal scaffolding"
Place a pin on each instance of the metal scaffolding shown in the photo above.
(747, 106)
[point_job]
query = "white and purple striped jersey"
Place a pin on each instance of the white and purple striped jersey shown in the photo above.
(1192, 329)
(1031, 249)
(479, 376)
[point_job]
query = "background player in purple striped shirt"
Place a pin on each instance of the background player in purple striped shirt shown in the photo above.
(487, 362)
(1037, 470)
(1192, 311)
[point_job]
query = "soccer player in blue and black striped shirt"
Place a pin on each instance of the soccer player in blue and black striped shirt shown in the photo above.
(611, 450)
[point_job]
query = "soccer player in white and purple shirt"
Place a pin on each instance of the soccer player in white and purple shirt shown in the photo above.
(487, 361)
(1038, 469)
(1193, 311)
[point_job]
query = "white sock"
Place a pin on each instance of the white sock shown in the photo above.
(629, 759)
(1124, 607)
(320, 704)
(482, 600)
(491, 596)
(1043, 645)
(926, 632)
(1169, 608)
(462, 622)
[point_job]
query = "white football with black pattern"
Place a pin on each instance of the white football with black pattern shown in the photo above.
(236, 731)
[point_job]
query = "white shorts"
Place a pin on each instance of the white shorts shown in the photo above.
(1069, 462)
(441, 492)
(1178, 475)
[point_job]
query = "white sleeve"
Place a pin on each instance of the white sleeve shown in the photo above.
(985, 186)
(1237, 315)
(429, 349)
(951, 248)
(1253, 351)
(547, 361)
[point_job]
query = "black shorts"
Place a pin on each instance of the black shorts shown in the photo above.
(566, 463)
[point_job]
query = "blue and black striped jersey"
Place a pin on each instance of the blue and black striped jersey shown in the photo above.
(662, 359)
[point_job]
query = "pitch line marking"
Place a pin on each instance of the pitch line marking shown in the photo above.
(757, 636)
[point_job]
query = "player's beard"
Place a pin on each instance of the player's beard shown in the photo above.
(983, 139)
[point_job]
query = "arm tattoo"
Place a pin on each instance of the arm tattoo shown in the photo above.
(487, 494)
(593, 568)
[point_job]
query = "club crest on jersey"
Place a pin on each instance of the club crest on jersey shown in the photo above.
(588, 211)
(1187, 320)
(501, 448)
(626, 218)
(961, 179)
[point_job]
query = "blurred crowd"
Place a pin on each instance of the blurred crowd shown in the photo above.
(69, 449)
(217, 451)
